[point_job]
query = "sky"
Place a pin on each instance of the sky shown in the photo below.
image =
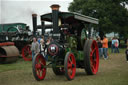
(15, 11)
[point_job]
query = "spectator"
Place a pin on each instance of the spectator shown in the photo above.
(116, 44)
(113, 46)
(42, 46)
(48, 41)
(126, 52)
(105, 47)
(42, 43)
(35, 47)
(100, 47)
(39, 40)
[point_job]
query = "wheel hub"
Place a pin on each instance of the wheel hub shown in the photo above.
(73, 65)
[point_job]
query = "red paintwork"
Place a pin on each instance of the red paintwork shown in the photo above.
(71, 66)
(94, 61)
(53, 45)
(6, 43)
(40, 70)
(26, 53)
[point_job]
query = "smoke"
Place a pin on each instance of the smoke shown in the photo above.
(15, 11)
(20, 11)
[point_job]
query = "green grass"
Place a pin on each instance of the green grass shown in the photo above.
(113, 71)
(122, 50)
(19, 65)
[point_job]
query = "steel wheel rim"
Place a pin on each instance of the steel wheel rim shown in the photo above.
(94, 57)
(39, 67)
(71, 66)
(26, 53)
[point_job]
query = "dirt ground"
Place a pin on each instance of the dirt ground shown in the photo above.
(113, 71)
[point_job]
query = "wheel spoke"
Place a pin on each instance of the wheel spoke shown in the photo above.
(70, 59)
(69, 65)
(37, 71)
(93, 62)
(92, 65)
(36, 66)
(70, 72)
(92, 57)
(92, 52)
(93, 68)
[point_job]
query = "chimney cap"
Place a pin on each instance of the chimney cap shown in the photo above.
(55, 7)
(34, 15)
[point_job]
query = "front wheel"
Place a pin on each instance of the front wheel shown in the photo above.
(91, 57)
(70, 66)
(38, 67)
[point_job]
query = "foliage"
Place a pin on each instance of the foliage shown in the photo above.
(112, 14)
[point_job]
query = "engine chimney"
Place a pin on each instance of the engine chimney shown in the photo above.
(34, 20)
(55, 16)
(43, 27)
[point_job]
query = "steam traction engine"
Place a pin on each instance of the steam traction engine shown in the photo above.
(14, 39)
(70, 47)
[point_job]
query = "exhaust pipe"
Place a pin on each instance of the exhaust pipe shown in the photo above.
(55, 17)
(43, 27)
(34, 20)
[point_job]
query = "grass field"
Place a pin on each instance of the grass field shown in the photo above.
(113, 71)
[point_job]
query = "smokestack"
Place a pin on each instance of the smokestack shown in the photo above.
(55, 14)
(43, 27)
(34, 20)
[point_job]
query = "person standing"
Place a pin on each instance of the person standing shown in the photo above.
(43, 49)
(100, 47)
(105, 47)
(126, 52)
(38, 40)
(113, 46)
(116, 44)
(42, 46)
(35, 47)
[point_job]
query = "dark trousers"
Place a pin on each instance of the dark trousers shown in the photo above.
(33, 54)
(105, 51)
(127, 57)
(112, 48)
(116, 50)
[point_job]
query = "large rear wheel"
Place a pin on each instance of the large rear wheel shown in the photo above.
(70, 66)
(91, 57)
(38, 67)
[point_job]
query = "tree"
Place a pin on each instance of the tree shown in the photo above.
(112, 14)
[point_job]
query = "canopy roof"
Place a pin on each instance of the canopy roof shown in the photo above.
(12, 23)
(70, 17)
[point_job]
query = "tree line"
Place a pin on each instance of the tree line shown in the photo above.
(112, 14)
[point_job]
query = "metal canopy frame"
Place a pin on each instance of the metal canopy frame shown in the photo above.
(75, 16)
(86, 18)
